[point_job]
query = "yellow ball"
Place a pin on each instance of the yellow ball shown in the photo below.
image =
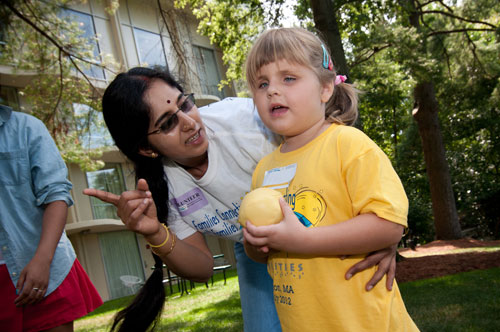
(261, 206)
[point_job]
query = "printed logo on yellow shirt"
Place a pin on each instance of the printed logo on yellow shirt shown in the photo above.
(308, 205)
(311, 205)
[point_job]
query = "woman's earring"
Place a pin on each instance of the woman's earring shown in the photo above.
(154, 155)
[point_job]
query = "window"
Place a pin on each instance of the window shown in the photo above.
(9, 97)
(108, 179)
(150, 48)
(3, 32)
(122, 259)
(208, 71)
(86, 24)
(97, 134)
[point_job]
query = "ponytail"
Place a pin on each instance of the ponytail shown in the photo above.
(127, 117)
(146, 308)
(342, 107)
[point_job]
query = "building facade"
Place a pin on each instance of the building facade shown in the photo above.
(138, 33)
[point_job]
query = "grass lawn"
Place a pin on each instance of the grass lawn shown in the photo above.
(464, 302)
(216, 308)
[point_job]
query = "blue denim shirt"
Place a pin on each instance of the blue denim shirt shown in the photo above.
(32, 174)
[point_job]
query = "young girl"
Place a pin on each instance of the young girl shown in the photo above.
(335, 179)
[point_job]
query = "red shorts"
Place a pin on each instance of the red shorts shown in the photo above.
(75, 297)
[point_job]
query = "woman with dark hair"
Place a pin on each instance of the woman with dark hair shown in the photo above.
(192, 168)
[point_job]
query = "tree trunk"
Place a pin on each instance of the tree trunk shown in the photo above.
(325, 20)
(443, 200)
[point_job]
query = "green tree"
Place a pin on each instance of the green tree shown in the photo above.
(231, 25)
(414, 56)
(429, 58)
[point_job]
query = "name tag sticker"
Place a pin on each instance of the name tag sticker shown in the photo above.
(189, 202)
(280, 177)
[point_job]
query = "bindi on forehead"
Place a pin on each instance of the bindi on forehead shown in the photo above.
(168, 101)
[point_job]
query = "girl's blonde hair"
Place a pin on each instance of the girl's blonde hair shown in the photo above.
(297, 45)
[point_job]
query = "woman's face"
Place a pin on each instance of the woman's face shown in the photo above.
(176, 131)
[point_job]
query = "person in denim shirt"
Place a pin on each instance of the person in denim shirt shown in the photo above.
(42, 284)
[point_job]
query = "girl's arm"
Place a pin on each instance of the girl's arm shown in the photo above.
(361, 234)
(189, 258)
(34, 277)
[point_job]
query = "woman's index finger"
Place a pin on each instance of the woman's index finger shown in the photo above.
(104, 196)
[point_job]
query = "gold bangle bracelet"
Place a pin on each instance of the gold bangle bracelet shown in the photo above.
(172, 245)
(164, 242)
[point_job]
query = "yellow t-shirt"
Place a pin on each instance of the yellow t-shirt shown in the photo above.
(335, 177)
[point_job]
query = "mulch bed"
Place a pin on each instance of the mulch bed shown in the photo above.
(437, 265)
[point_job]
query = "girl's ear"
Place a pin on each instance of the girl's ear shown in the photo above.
(327, 91)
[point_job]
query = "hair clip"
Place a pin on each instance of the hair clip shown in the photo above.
(340, 79)
(327, 61)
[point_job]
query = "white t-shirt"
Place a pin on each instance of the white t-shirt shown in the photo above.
(237, 141)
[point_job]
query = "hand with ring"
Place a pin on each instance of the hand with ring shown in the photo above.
(33, 281)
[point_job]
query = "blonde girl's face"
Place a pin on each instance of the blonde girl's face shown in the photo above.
(291, 101)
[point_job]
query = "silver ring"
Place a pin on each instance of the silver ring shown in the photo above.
(36, 289)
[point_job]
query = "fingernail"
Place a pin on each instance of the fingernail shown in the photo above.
(369, 288)
(348, 276)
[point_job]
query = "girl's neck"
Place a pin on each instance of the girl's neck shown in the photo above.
(293, 143)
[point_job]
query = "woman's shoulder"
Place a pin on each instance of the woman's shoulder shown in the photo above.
(236, 115)
(229, 108)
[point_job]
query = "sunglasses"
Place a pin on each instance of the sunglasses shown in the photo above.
(172, 121)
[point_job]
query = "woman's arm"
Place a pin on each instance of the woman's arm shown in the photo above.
(361, 234)
(189, 258)
(34, 277)
(385, 259)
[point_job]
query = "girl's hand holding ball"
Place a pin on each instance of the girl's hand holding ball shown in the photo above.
(261, 207)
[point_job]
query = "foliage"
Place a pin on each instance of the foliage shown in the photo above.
(469, 76)
(232, 26)
(42, 43)
(455, 47)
